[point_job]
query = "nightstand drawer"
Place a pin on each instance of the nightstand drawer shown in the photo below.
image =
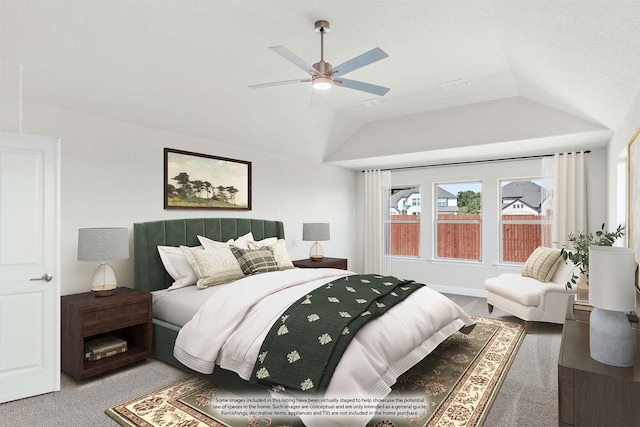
(118, 317)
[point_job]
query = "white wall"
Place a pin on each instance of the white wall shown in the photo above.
(617, 156)
(112, 175)
(468, 277)
(617, 173)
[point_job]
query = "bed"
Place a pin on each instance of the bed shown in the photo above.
(362, 369)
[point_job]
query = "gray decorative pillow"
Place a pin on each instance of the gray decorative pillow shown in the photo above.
(255, 261)
(542, 264)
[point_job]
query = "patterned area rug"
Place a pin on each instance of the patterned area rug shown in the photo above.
(453, 386)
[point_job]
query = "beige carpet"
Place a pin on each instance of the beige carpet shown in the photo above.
(455, 385)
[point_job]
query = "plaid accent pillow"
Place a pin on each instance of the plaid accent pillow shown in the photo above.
(255, 261)
(279, 252)
(542, 264)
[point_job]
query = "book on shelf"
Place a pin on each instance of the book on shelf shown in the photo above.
(91, 356)
(583, 306)
(103, 344)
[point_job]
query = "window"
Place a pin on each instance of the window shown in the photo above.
(458, 220)
(521, 222)
(404, 222)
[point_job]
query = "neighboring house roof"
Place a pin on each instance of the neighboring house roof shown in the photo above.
(442, 193)
(403, 194)
(527, 192)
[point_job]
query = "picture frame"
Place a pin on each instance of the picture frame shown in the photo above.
(633, 197)
(202, 181)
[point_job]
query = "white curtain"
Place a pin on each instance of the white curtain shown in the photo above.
(564, 182)
(376, 215)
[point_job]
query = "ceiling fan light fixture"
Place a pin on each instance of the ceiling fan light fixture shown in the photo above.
(323, 74)
(322, 82)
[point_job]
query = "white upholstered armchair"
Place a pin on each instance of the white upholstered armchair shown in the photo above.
(530, 299)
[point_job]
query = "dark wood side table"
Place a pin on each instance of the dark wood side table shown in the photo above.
(126, 315)
(591, 393)
(324, 263)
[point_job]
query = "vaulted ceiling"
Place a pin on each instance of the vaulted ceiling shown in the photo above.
(551, 69)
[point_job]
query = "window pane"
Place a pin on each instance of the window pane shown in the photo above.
(404, 222)
(521, 222)
(459, 220)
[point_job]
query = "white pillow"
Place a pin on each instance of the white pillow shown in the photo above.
(264, 242)
(177, 266)
(213, 266)
(240, 242)
(279, 248)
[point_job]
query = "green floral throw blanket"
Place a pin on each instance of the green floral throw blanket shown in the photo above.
(302, 350)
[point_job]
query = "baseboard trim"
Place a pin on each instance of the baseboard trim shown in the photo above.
(444, 289)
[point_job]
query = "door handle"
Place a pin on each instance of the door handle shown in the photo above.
(46, 277)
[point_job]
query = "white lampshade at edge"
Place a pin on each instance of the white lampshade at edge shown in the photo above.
(611, 278)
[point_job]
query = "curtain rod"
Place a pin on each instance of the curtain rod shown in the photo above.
(506, 159)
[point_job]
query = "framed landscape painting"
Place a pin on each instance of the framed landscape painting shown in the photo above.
(201, 181)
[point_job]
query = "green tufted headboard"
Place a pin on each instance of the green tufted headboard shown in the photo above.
(150, 274)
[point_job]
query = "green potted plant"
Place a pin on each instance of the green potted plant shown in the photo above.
(579, 254)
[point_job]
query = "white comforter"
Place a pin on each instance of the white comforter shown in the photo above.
(230, 326)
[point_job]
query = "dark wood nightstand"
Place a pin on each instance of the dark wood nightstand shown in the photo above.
(126, 315)
(591, 393)
(324, 263)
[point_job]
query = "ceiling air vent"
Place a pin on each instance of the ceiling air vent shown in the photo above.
(373, 102)
(455, 84)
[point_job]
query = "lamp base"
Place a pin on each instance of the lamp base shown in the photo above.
(316, 253)
(106, 292)
(611, 339)
(103, 282)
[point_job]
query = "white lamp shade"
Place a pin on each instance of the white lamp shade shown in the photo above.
(611, 278)
(315, 231)
(103, 244)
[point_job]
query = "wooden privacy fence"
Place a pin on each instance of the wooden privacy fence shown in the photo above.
(458, 239)
(461, 238)
(404, 235)
(520, 240)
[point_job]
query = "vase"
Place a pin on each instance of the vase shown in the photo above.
(582, 292)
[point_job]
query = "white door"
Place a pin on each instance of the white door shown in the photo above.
(29, 248)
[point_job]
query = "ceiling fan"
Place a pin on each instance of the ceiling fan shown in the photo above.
(323, 75)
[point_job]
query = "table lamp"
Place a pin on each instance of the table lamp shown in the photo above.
(103, 244)
(612, 293)
(315, 232)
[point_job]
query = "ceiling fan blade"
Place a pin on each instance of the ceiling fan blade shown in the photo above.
(295, 59)
(359, 61)
(284, 82)
(365, 87)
